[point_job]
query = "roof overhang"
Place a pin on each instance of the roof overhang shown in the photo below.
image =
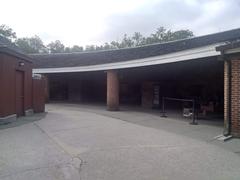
(232, 51)
(230, 48)
(191, 54)
(10, 51)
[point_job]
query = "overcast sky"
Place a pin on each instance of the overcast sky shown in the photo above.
(97, 21)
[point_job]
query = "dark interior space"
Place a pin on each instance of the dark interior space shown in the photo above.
(200, 80)
(81, 87)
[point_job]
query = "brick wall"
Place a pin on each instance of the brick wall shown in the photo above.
(235, 98)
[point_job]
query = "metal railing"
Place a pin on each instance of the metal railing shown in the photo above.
(194, 120)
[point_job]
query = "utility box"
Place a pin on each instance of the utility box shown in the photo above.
(38, 93)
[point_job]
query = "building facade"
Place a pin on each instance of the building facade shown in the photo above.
(202, 69)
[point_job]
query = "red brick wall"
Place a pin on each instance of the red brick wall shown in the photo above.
(235, 98)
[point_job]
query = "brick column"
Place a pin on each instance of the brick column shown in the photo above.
(112, 90)
(226, 97)
(235, 98)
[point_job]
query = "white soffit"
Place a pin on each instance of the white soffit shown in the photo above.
(190, 54)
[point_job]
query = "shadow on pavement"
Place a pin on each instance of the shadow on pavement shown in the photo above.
(22, 120)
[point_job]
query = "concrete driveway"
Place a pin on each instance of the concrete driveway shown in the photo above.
(79, 142)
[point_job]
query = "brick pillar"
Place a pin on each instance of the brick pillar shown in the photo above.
(112, 90)
(226, 97)
(235, 98)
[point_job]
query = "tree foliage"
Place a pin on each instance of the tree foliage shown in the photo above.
(7, 32)
(76, 48)
(31, 45)
(56, 47)
(7, 35)
(161, 35)
(35, 44)
(90, 48)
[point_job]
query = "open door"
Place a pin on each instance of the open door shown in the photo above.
(20, 93)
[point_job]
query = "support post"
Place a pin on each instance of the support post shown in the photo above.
(112, 91)
(227, 98)
(163, 108)
(194, 122)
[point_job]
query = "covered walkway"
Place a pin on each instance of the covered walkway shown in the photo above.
(202, 69)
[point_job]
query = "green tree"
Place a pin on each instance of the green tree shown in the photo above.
(76, 48)
(163, 35)
(98, 48)
(7, 33)
(56, 47)
(35, 44)
(159, 36)
(137, 39)
(31, 45)
(90, 48)
(67, 50)
(107, 46)
(182, 34)
(115, 45)
(126, 42)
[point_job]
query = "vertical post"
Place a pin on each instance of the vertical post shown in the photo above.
(163, 108)
(194, 122)
(112, 91)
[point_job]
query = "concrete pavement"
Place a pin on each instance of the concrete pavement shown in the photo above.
(78, 142)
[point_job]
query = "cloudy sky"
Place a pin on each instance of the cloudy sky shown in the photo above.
(97, 21)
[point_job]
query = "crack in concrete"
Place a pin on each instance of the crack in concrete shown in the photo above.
(77, 163)
(80, 164)
(144, 146)
(69, 129)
